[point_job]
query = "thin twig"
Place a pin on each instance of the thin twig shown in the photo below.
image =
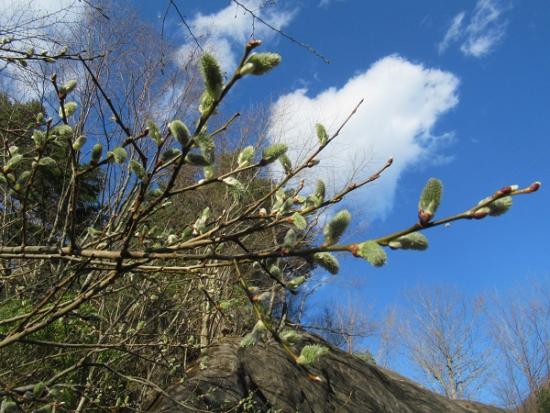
(309, 48)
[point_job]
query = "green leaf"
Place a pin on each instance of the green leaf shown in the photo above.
(208, 172)
(296, 282)
(22, 179)
(430, 200)
(282, 203)
(273, 152)
(63, 131)
(170, 154)
(154, 132)
(299, 221)
(138, 169)
(312, 201)
(248, 340)
(206, 144)
(280, 195)
(260, 63)
(233, 182)
(68, 87)
(12, 162)
(79, 143)
(290, 238)
(320, 190)
(336, 227)
(206, 103)
(290, 336)
(211, 74)
(47, 162)
(96, 152)
(275, 271)
(200, 224)
(186, 234)
(39, 138)
(414, 241)
(119, 154)
(327, 261)
(500, 206)
(321, 134)
(252, 338)
(311, 354)
(197, 159)
(372, 252)
(179, 131)
(245, 157)
(70, 109)
(286, 164)
(286, 206)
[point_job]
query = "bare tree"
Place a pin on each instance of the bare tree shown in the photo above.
(345, 325)
(387, 339)
(521, 330)
(441, 334)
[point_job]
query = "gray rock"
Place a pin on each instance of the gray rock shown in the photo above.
(263, 378)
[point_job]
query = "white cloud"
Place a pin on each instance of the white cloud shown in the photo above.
(225, 32)
(484, 30)
(403, 101)
(453, 33)
(23, 12)
(33, 23)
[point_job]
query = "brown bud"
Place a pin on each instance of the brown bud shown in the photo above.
(504, 191)
(252, 44)
(534, 186)
(481, 213)
(424, 217)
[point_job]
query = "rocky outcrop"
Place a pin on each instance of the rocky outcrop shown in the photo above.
(262, 378)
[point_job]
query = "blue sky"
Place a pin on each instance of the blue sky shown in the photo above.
(457, 90)
(470, 79)
(483, 117)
